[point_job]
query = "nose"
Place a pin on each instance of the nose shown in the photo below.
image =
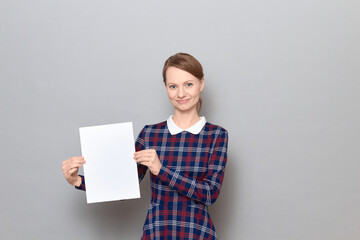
(181, 92)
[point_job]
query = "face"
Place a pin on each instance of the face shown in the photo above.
(183, 89)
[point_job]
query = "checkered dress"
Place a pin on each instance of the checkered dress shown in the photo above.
(188, 182)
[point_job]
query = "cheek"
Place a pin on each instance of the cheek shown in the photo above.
(195, 93)
(170, 94)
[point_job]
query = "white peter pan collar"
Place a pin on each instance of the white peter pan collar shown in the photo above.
(194, 129)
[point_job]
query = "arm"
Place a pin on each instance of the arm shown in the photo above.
(207, 190)
(140, 145)
(81, 183)
(70, 168)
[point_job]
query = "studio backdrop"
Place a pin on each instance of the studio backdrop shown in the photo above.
(281, 76)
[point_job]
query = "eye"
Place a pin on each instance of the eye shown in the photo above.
(189, 84)
(172, 86)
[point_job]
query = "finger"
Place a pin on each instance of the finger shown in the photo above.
(79, 161)
(76, 165)
(143, 159)
(72, 159)
(137, 156)
(144, 163)
(144, 154)
(78, 158)
(73, 170)
(141, 151)
(75, 162)
(70, 169)
(145, 151)
(149, 154)
(138, 153)
(140, 159)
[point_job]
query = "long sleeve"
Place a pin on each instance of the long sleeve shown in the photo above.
(82, 185)
(141, 145)
(207, 190)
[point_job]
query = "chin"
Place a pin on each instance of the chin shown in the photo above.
(184, 109)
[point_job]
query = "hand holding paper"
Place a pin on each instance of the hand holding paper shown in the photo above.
(150, 159)
(110, 171)
(70, 169)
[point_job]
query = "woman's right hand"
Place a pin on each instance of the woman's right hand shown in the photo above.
(70, 169)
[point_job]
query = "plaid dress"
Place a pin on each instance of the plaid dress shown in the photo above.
(188, 182)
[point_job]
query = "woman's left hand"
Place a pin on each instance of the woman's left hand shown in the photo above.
(150, 159)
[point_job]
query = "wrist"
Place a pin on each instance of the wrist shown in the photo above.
(158, 170)
(77, 182)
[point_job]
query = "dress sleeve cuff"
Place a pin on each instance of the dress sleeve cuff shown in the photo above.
(166, 176)
(82, 185)
(162, 173)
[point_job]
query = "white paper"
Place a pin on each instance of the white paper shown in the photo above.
(110, 170)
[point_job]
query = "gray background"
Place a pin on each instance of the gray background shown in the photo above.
(281, 76)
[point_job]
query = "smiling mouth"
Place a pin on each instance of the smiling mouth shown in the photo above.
(182, 101)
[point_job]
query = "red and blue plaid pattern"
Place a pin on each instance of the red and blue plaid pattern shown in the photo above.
(189, 181)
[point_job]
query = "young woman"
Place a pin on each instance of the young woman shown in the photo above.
(186, 157)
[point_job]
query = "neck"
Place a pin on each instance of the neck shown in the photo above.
(185, 119)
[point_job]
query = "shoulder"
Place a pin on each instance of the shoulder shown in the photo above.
(215, 129)
(152, 129)
(155, 127)
(216, 132)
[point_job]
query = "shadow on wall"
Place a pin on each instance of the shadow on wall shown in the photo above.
(119, 219)
(222, 210)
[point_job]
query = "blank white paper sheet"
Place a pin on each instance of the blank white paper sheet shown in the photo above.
(110, 169)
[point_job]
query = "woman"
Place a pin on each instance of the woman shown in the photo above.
(186, 157)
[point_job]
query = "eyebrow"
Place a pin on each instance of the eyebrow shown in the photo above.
(184, 82)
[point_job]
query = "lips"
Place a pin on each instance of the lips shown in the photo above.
(182, 101)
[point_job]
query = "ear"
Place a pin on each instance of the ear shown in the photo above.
(202, 84)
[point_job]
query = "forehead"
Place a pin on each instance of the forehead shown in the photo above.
(177, 75)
